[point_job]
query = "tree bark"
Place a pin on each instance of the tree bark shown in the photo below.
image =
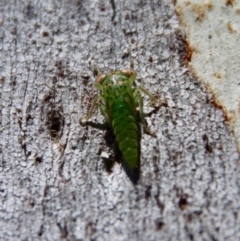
(55, 180)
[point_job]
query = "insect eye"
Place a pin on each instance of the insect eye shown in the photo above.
(100, 78)
(127, 72)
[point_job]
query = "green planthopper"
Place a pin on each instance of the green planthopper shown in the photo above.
(121, 104)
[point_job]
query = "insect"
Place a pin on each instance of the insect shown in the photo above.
(121, 104)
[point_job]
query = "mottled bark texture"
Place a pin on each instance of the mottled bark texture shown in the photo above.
(60, 180)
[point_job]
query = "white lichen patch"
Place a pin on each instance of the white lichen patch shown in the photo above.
(213, 33)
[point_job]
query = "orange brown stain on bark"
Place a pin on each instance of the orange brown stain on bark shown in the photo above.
(227, 116)
(230, 2)
(231, 29)
(189, 53)
(201, 9)
(217, 75)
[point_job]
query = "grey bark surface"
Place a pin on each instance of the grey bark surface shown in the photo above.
(54, 185)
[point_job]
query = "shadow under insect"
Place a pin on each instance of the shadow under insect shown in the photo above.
(116, 155)
(132, 173)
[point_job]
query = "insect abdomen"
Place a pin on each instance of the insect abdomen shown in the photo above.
(127, 133)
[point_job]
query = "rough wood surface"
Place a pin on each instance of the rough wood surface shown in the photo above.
(53, 183)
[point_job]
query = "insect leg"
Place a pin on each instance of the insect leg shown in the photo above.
(139, 102)
(103, 108)
(132, 78)
(146, 92)
(83, 120)
(154, 100)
